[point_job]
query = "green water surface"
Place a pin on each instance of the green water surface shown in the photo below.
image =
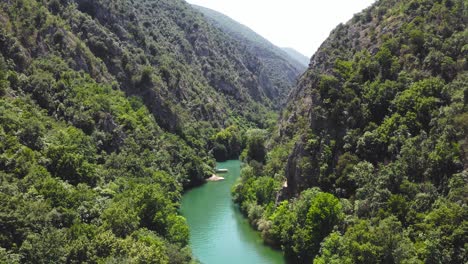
(218, 231)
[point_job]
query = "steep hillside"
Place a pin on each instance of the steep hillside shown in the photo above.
(278, 65)
(369, 162)
(299, 57)
(108, 110)
(201, 73)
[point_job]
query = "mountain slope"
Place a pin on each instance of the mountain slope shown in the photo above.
(369, 162)
(278, 65)
(108, 110)
(299, 57)
(186, 53)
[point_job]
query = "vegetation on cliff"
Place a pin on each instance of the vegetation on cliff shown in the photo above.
(109, 109)
(279, 68)
(368, 164)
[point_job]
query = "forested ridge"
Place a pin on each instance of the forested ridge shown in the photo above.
(108, 111)
(368, 162)
(279, 67)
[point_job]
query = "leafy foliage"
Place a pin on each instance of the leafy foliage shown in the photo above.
(378, 121)
(280, 68)
(108, 110)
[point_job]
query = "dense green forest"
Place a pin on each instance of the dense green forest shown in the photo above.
(108, 111)
(368, 162)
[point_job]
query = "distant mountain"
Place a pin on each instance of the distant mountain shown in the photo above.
(280, 67)
(299, 57)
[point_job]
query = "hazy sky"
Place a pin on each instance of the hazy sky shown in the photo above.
(300, 24)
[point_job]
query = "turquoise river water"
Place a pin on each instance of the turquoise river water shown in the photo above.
(219, 234)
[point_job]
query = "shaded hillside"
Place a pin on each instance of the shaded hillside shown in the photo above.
(201, 73)
(299, 57)
(277, 65)
(369, 163)
(108, 110)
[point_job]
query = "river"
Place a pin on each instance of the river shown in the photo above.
(218, 231)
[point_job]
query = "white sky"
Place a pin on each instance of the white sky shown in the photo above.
(300, 24)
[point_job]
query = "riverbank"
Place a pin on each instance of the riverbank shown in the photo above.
(215, 178)
(219, 233)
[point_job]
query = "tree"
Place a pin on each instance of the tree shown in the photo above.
(72, 156)
(121, 217)
(256, 145)
(324, 213)
(49, 246)
(301, 226)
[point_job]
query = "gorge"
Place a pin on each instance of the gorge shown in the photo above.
(114, 113)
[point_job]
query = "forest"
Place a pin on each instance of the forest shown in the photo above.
(110, 110)
(368, 162)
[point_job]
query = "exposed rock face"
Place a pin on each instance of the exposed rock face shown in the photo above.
(294, 172)
(275, 70)
(179, 64)
(338, 107)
